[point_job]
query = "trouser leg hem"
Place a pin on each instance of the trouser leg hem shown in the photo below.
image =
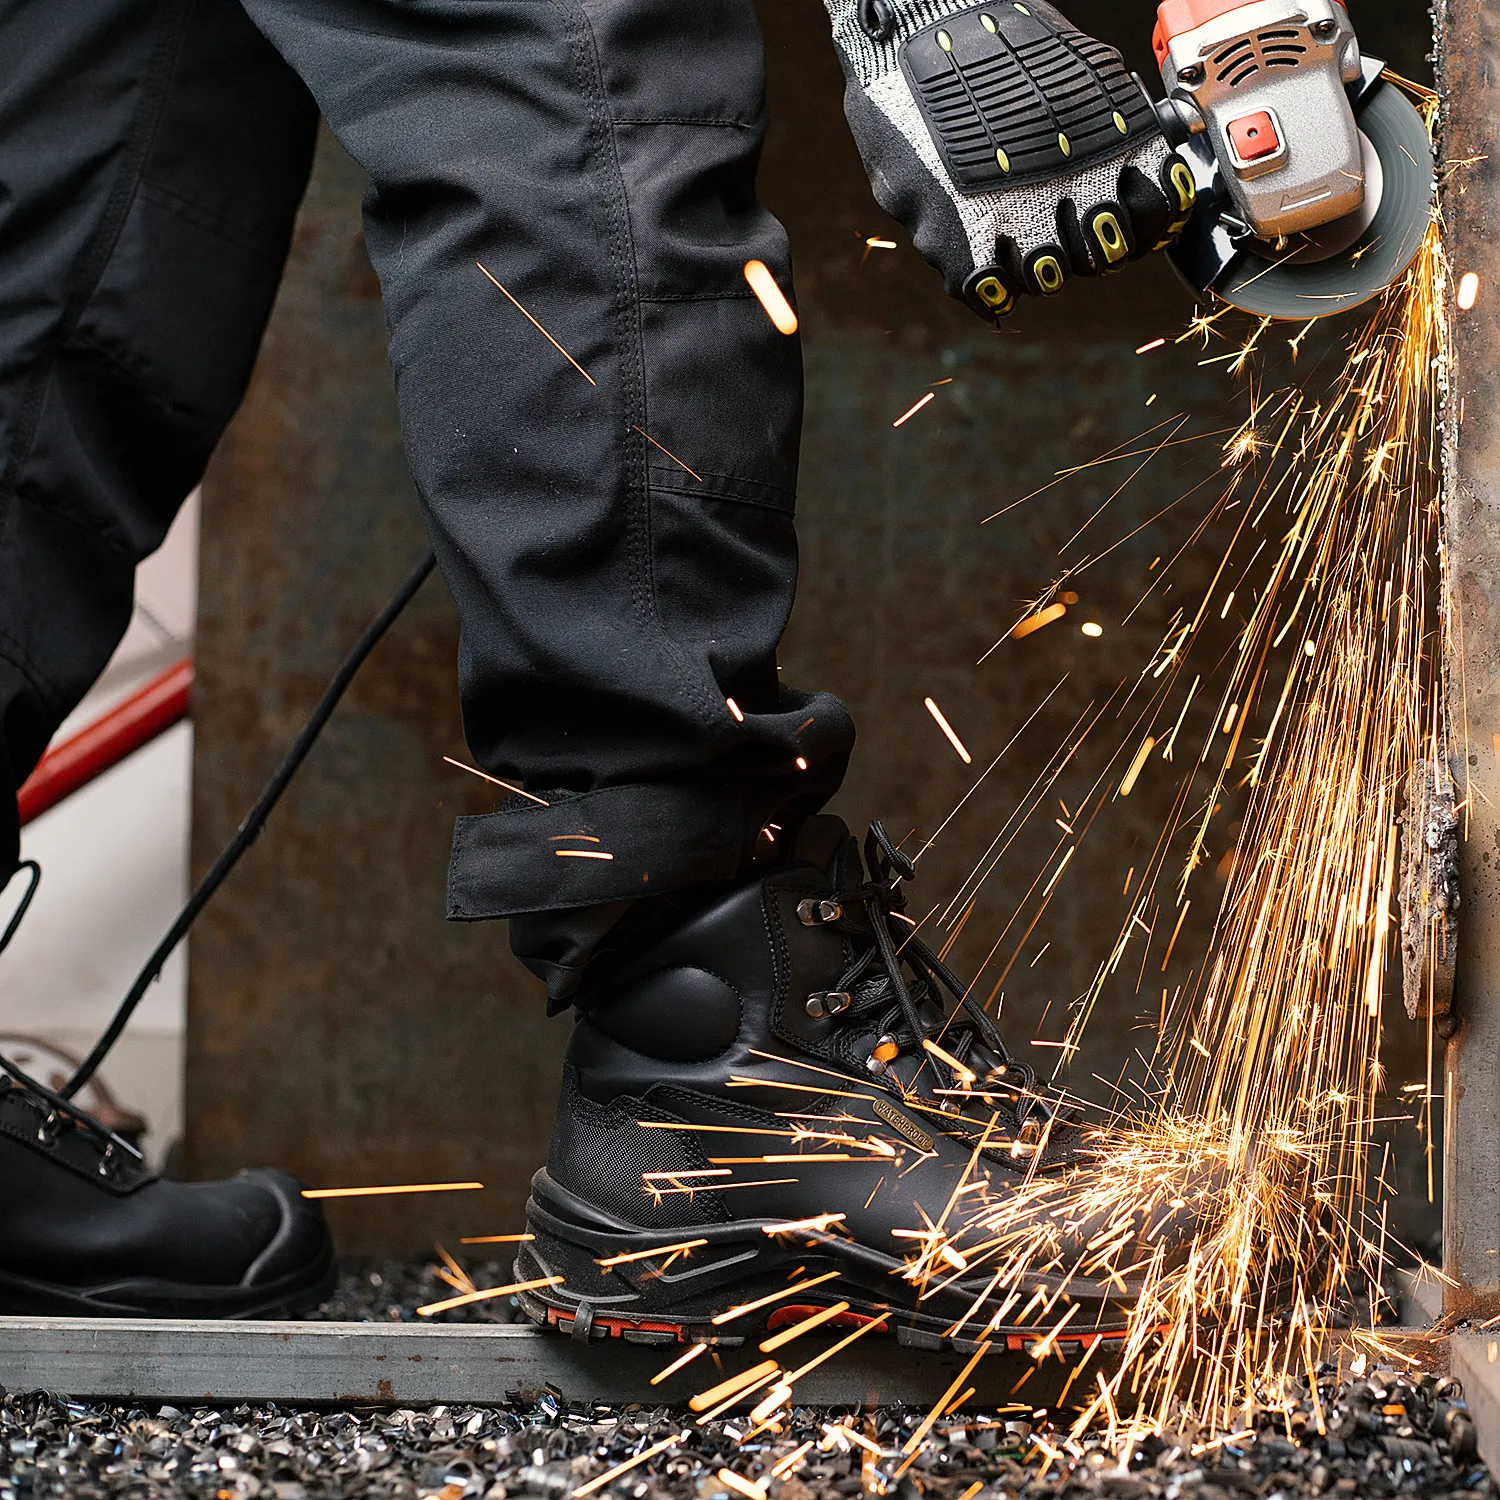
(618, 843)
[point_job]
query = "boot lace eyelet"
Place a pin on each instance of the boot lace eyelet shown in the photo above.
(816, 913)
(58, 1113)
(885, 1052)
(898, 984)
(824, 1003)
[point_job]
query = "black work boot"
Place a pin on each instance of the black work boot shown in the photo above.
(772, 1099)
(87, 1231)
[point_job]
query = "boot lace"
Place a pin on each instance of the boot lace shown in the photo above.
(896, 974)
(56, 1112)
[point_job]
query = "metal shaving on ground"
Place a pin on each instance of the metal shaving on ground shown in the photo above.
(1389, 1434)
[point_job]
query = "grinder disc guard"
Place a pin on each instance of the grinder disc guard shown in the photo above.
(1299, 278)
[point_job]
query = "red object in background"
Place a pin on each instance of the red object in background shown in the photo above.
(148, 712)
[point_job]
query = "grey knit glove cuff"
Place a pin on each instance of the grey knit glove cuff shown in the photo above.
(1016, 150)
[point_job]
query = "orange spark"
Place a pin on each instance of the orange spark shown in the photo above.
(610, 1475)
(681, 1362)
(817, 1320)
(540, 329)
(696, 475)
(741, 1486)
(634, 1255)
(1032, 623)
(1133, 775)
(784, 1466)
(772, 298)
(967, 1074)
(906, 417)
(488, 1294)
(781, 1296)
(405, 1187)
(733, 1386)
(947, 728)
(819, 1225)
(495, 781)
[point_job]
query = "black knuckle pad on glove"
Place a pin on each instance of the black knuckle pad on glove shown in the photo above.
(1149, 210)
(878, 18)
(990, 292)
(1001, 135)
(1044, 271)
(1014, 94)
(1181, 189)
(1080, 258)
(1107, 227)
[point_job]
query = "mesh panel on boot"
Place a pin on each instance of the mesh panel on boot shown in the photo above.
(600, 1153)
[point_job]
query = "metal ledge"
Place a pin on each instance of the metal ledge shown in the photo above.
(405, 1365)
(1474, 1358)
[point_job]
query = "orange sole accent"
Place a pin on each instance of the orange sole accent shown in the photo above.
(614, 1327)
(784, 1317)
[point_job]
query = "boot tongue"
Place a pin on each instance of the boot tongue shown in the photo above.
(826, 843)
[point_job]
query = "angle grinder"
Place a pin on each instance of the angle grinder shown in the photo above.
(1314, 174)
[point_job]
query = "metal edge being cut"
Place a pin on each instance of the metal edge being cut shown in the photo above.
(401, 1364)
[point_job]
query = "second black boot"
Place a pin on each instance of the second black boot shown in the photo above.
(87, 1231)
(771, 1113)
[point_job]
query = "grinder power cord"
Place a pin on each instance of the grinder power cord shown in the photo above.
(89, 1230)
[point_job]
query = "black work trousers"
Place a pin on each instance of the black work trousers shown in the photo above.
(598, 158)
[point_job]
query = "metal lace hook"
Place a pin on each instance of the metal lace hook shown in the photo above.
(65, 1109)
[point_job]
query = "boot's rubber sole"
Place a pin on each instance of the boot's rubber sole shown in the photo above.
(613, 1286)
(288, 1296)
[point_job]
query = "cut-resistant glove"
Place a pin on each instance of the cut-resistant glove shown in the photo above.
(1016, 150)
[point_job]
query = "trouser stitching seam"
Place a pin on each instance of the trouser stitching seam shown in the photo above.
(713, 124)
(91, 265)
(88, 526)
(735, 296)
(175, 410)
(15, 653)
(241, 236)
(632, 361)
(586, 69)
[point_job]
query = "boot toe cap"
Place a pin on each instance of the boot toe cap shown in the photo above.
(301, 1237)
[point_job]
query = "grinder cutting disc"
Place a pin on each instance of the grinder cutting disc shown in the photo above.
(1342, 264)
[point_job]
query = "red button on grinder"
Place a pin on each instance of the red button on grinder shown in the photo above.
(1254, 137)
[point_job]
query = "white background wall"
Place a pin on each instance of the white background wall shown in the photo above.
(114, 860)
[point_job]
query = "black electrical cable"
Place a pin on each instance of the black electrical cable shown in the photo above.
(254, 821)
(35, 871)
